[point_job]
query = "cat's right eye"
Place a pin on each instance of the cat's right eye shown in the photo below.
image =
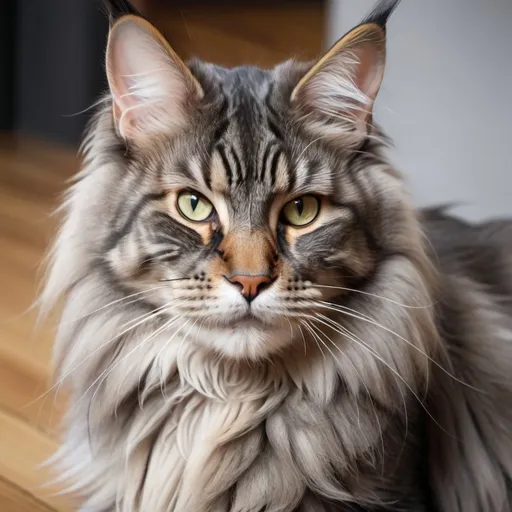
(301, 211)
(195, 207)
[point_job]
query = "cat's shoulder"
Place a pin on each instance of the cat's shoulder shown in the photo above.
(481, 251)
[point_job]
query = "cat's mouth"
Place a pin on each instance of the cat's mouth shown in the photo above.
(247, 319)
(243, 320)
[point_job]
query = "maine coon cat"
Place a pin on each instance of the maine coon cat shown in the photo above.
(256, 318)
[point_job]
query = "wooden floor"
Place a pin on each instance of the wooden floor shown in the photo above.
(33, 175)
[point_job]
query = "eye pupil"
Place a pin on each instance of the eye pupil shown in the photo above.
(299, 204)
(301, 211)
(194, 206)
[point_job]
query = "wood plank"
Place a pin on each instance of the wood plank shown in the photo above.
(16, 499)
(32, 176)
(22, 450)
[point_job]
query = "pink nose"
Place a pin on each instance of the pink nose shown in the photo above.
(250, 285)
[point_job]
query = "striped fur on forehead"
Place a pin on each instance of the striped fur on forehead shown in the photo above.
(251, 142)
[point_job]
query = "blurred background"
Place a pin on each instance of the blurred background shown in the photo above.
(445, 102)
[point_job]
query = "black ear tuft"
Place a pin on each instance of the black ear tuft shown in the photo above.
(117, 8)
(381, 12)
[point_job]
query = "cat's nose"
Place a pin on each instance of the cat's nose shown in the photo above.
(250, 286)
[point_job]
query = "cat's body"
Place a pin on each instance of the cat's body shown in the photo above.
(254, 318)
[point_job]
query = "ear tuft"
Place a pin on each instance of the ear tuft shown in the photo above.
(381, 12)
(115, 9)
(152, 89)
(336, 96)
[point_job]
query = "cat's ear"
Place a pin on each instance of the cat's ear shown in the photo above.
(153, 91)
(336, 96)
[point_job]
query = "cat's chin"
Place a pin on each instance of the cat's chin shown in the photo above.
(245, 337)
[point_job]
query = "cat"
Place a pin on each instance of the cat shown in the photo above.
(255, 316)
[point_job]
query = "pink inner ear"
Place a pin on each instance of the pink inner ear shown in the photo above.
(368, 73)
(151, 86)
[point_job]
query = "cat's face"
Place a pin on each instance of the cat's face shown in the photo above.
(245, 200)
(242, 219)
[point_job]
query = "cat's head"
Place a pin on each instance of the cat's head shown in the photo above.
(241, 200)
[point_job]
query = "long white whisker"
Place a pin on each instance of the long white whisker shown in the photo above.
(360, 316)
(291, 327)
(343, 288)
(351, 335)
(355, 314)
(166, 344)
(305, 324)
(185, 337)
(367, 318)
(119, 302)
(166, 326)
(364, 385)
(317, 337)
(303, 338)
(142, 319)
(105, 373)
(365, 346)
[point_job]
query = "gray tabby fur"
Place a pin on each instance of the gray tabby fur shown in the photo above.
(391, 393)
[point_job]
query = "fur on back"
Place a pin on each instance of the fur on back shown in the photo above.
(374, 372)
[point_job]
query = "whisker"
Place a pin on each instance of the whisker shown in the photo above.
(364, 385)
(372, 321)
(303, 338)
(200, 327)
(105, 373)
(427, 357)
(119, 302)
(185, 337)
(291, 327)
(110, 368)
(406, 415)
(171, 280)
(160, 351)
(139, 321)
(369, 349)
(343, 288)
(305, 324)
(163, 383)
(315, 334)
(355, 314)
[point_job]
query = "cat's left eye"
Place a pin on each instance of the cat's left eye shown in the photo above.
(193, 206)
(301, 211)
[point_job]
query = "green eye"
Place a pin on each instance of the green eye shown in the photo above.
(301, 211)
(194, 206)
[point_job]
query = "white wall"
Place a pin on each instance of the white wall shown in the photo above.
(447, 98)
